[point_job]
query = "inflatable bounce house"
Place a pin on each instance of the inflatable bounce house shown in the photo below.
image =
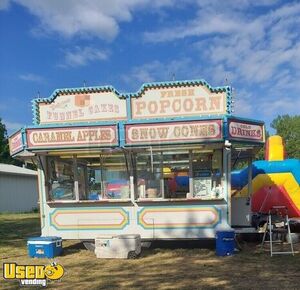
(275, 181)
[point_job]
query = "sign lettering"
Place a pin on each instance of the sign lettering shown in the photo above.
(173, 132)
(246, 131)
(96, 136)
(83, 107)
(189, 101)
(15, 143)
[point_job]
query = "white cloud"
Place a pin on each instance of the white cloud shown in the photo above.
(197, 27)
(12, 126)
(31, 77)
(243, 102)
(81, 56)
(98, 18)
(213, 17)
(162, 71)
(253, 47)
(283, 105)
(4, 4)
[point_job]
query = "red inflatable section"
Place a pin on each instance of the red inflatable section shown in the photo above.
(268, 196)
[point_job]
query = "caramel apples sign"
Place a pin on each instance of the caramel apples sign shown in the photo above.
(95, 136)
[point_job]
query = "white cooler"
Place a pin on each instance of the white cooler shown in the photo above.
(118, 247)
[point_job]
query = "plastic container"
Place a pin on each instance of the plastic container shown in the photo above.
(44, 247)
(118, 247)
(225, 242)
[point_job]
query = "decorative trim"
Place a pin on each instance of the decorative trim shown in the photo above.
(101, 225)
(177, 209)
(145, 87)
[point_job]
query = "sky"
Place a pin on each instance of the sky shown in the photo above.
(254, 46)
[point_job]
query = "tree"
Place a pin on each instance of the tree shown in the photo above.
(4, 148)
(260, 155)
(288, 127)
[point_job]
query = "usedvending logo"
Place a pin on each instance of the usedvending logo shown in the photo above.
(32, 275)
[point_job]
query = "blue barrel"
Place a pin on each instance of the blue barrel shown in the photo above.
(225, 242)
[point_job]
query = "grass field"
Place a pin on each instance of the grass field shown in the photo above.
(157, 268)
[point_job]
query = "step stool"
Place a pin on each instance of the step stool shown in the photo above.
(278, 225)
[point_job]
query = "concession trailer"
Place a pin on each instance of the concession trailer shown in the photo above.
(156, 162)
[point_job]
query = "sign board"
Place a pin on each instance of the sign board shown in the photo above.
(96, 136)
(15, 143)
(183, 101)
(247, 131)
(176, 132)
(71, 108)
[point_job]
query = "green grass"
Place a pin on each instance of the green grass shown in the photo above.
(252, 268)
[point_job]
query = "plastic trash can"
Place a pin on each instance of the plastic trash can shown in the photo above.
(225, 242)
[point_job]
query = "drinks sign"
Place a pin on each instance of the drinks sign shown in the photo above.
(173, 132)
(96, 136)
(173, 102)
(15, 143)
(83, 107)
(246, 131)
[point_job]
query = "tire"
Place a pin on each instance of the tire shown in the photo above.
(132, 255)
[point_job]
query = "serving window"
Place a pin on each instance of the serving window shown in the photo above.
(60, 179)
(137, 174)
(90, 177)
(108, 177)
(180, 174)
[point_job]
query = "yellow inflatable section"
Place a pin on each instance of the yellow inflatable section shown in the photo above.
(281, 179)
(274, 149)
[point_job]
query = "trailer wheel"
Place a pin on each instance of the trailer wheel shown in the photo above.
(132, 255)
(89, 246)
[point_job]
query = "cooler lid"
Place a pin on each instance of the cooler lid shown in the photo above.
(129, 236)
(48, 239)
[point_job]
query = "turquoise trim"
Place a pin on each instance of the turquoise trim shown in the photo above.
(162, 143)
(218, 210)
(122, 135)
(68, 125)
(88, 208)
(237, 118)
(24, 138)
(175, 119)
(41, 194)
(128, 96)
(74, 147)
(128, 107)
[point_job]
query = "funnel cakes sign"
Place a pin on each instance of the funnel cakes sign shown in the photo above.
(246, 131)
(68, 108)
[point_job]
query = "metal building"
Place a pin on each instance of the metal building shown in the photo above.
(18, 189)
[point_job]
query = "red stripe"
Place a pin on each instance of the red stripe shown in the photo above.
(275, 195)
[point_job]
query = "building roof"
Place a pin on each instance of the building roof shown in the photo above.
(12, 169)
